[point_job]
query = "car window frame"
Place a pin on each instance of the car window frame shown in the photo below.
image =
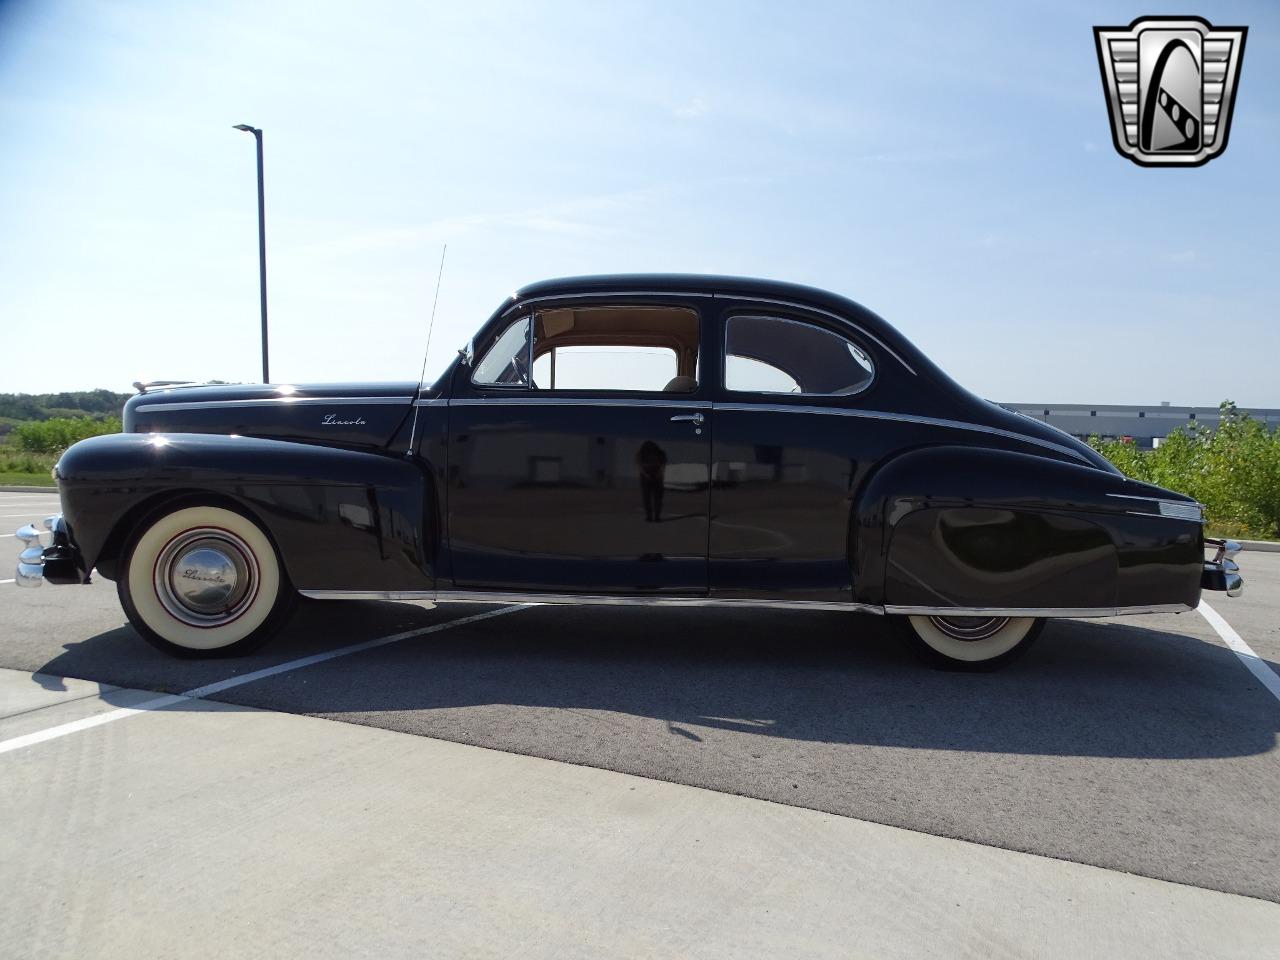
(526, 318)
(846, 335)
(519, 314)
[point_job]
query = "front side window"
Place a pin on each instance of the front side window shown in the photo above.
(506, 364)
(774, 355)
(649, 349)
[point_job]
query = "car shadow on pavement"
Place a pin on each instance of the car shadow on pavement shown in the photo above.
(545, 678)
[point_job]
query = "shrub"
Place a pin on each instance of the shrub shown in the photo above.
(54, 436)
(1234, 471)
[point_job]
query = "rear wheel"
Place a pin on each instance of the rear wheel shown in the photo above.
(971, 643)
(203, 581)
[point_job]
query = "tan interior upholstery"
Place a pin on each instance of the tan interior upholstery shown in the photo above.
(675, 328)
(681, 385)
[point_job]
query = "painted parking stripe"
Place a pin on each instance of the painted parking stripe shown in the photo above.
(1254, 663)
(197, 693)
(5, 581)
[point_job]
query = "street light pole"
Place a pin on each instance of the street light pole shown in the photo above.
(262, 246)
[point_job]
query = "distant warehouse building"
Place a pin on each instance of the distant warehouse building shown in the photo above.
(1146, 425)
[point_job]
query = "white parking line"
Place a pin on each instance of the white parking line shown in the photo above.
(6, 581)
(1254, 663)
(63, 729)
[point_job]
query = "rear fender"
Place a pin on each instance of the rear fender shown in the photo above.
(975, 527)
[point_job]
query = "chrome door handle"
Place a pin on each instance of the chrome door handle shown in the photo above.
(688, 418)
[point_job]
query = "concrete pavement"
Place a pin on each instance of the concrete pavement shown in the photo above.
(212, 830)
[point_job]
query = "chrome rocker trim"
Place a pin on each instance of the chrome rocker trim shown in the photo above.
(593, 599)
(1082, 612)
(484, 596)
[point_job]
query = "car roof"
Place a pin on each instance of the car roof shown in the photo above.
(686, 283)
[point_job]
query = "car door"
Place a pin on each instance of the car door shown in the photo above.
(786, 462)
(579, 457)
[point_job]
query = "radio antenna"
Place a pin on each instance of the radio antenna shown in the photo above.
(417, 394)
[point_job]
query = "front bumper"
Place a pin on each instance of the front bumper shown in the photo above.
(1222, 572)
(48, 554)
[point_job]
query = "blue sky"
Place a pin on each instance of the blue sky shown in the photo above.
(947, 165)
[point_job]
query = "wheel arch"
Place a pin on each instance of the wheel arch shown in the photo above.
(129, 523)
(337, 518)
(959, 525)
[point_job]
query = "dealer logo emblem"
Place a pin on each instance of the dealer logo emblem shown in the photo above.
(1170, 84)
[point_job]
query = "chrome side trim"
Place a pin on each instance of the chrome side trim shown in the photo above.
(911, 611)
(274, 401)
(369, 594)
(1191, 510)
(906, 418)
(434, 402)
(532, 401)
(825, 313)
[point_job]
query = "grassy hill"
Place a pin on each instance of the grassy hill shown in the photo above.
(36, 427)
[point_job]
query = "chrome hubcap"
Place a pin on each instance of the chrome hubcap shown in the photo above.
(970, 628)
(206, 577)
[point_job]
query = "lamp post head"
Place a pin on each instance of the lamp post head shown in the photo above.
(247, 129)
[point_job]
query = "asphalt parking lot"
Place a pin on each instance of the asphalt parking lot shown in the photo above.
(1140, 745)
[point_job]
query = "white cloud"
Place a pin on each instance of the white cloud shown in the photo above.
(692, 109)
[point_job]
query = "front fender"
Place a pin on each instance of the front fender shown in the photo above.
(974, 527)
(341, 519)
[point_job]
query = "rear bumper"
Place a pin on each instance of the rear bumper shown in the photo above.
(1222, 573)
(48, 554)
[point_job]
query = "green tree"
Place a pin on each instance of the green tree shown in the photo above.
(54, 436)
(1234, 470)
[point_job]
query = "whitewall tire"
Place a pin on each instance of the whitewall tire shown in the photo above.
(975, 643)
(203, 581)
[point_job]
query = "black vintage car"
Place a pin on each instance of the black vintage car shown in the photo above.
(643, 439)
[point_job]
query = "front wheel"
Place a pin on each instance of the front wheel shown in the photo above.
(203, 581)
(970, 643)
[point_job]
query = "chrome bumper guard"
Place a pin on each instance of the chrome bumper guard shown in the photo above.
(48, 554)
(1222, 572)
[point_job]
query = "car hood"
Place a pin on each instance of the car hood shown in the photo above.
(347, 414)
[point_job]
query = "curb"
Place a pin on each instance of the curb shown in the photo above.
(1259, 546)
(50, 489)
